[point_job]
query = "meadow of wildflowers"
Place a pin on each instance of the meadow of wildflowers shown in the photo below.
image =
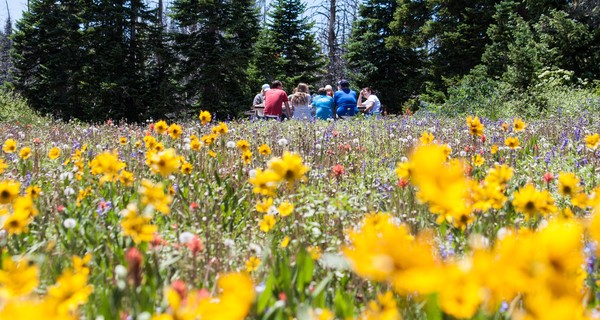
(404, 217)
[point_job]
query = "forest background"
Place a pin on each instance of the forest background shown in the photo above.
(135, 60)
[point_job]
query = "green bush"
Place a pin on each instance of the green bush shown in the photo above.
(14, 108)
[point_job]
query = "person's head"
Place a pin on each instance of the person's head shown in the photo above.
(328, 88)
(322, 91)
(276, 84)
(344, 84)
(265, 88)
(366, 91)
(302, 87)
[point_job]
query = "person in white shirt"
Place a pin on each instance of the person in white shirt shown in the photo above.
(372, 104)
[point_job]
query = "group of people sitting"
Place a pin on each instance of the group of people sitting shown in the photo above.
(325, 105)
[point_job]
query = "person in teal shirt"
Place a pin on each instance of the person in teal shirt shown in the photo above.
(323, 105)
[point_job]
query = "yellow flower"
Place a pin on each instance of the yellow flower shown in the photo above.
(383, 308)
(150, 142)
(499, 174)
(3, 165)
(10, 146)
(205, 117)
(285, 242)
(161, 127)
(568, 184)
(24, 205)
(426, 137)
(289, 167)
(252, 264)
(107, 163)
(314, 252)
(33, 192)
(165, 162)
(505, 126)
(122, 141)
(518, 125)
(70, 291)
(403, 170)
(478, 160)
(265, 182)
(138, 227)
(25, 153)
(267, 222)
(460, 295)
(126, 178)
(186, 168)
(212, 154)
(247, 156)
(494, 149)
(17, 279)
(54, 153)
(285, 209)
(153, 194)
(264, 205)
(222, 128)
(512, 142)
(243, 145)
(383, 251)
(592, 141)
(531, 202)
(17, 222)
(209, 139)
(9, 191)
(447, 150)
(321, 314)
(174, 131)
(195, 145)
(475, 126)
(264, 150)
(81, 264)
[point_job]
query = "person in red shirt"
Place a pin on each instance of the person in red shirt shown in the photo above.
(275, 99)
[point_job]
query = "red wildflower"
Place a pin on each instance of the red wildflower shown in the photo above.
(179, 287)
(338, 170)
(195, 245)
(194, 205)
(60, 208)
(134, 265)
(282, 296)
(402, 183)
(548, 177)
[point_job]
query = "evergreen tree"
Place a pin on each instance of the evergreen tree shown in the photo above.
(6, 65)
(48, 52)
(393, 70)
(457, 32)
(214, 43)
(287, 49)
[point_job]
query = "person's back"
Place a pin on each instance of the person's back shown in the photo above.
(345, 100)
(274, 100)
(300, 103)
(323, 105)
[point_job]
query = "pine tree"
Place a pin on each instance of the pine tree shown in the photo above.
(214, 42)
(6, 65)
(48, 53)
(391, 70)
(287, 49)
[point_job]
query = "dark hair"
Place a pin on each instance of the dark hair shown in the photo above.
(344, 84)
(276, 84)
(367, 89)
(322, 91)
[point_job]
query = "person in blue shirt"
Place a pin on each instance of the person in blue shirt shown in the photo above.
(345, 100)
(323, 105)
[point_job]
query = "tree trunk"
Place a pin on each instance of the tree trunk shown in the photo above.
(331, 43)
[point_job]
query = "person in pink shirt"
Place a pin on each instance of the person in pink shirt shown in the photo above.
(275, 99)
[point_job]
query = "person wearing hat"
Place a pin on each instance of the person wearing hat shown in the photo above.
(259, 99)
(329, 90)
(345, 100)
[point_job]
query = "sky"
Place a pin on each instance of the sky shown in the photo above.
(17, 7)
